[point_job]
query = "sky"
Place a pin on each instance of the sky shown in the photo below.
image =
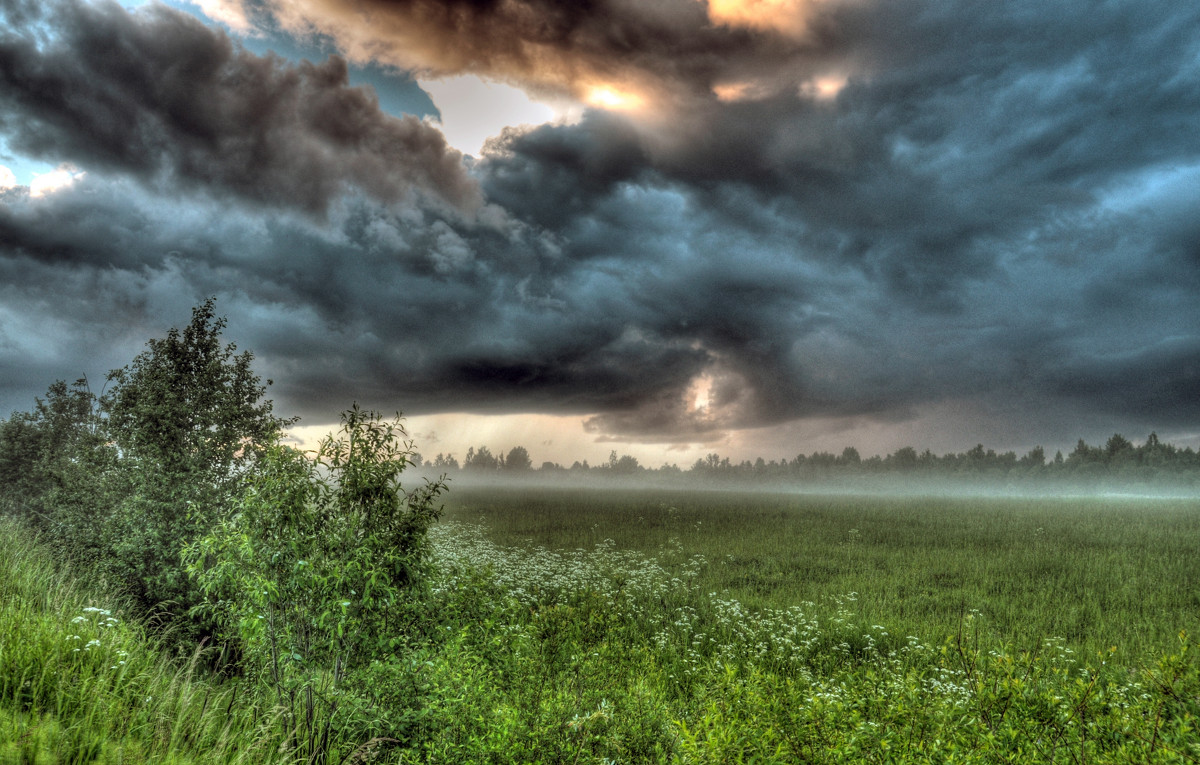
(670, 228)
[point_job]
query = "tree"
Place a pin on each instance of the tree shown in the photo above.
(1117, 444)
(480, 459)
(56, 468)
(1084, 454)
(189, 419)
(623, 465)
(904, 458)
(190, 405)
(318, 574)
(1035, 458)
(518, 460)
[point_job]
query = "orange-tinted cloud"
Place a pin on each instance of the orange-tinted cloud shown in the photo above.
(612, 54)
(787, 16)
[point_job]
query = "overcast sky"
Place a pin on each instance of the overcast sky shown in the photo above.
(755, 227)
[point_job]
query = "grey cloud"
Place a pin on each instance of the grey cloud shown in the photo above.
(156, 94)
(360, 308)
(1158, 381)
(996, 214)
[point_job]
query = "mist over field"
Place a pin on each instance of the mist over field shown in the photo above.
(865, 486)
(1120, 468)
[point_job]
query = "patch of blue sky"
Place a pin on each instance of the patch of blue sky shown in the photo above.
(23, 168)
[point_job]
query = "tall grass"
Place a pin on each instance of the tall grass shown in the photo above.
(600, 655)
(1098, 573)
(80, 684)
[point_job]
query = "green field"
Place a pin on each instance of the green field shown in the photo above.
(1097, 572)
(711, 629)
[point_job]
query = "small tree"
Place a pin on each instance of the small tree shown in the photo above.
(481, 459)
(57, 469)
(317, 573)
(189, 418)
(518, 460)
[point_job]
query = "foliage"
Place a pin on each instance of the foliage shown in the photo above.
(318, 573)
(604, 655)
(481, 459)
(1098, 572)
(518, 460)
(189, 419)
(191, 406)
(1117, 465)
(595, 656)
(356, 630)
(59, 470)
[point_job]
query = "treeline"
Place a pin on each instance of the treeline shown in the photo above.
(1117, 462)
(174, 485)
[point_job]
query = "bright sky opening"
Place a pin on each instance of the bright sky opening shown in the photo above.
(474, 110)
(788, 16)
(59, 178)
(614, 98)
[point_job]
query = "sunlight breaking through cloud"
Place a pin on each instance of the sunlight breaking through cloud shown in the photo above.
(58, 179)
(785, 16)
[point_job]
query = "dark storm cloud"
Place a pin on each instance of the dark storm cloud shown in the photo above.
(998, 123)
(975, 148)
(997, 208)
(1149, 382)
(156, 94)
(545, 45)
(392, 309)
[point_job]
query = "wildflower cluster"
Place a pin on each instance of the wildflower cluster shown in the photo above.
(660, 602)
(93, 622)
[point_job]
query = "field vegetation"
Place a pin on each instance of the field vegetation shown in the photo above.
(80, 682)
(1096, 572)
(177, 584)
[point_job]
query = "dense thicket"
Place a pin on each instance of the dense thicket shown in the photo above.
(120, 481)
(173, 486)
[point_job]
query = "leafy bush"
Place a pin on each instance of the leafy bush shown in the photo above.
(59, 470)
(190, 420)
(318, 574)
(123, 481)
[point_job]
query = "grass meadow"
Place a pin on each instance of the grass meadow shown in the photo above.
(570, 627)
(1097, 573)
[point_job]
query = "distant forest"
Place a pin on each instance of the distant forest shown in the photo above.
(1118, 462)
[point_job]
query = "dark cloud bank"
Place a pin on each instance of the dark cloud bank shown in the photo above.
(999, 206)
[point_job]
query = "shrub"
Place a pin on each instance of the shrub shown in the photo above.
(317, 575)
(190, 420)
